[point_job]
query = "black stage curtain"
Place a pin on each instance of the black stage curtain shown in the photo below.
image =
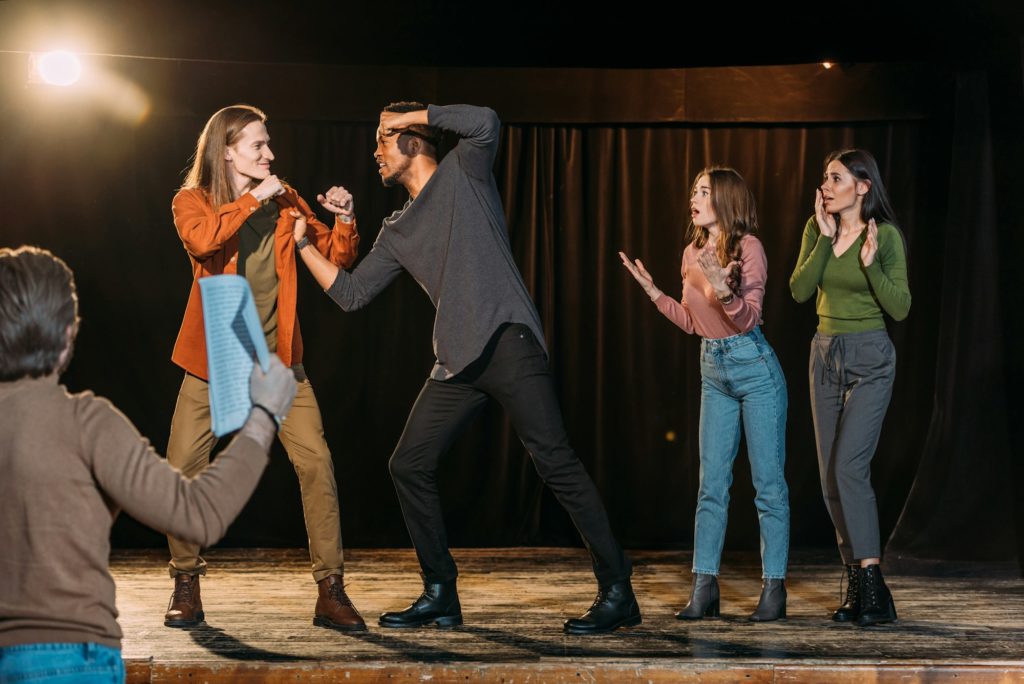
(98, 194)
(964, 503)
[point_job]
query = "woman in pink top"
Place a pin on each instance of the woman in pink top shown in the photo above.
(724, 271)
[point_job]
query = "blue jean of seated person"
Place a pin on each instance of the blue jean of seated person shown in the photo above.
(83, 663)
(741, 381)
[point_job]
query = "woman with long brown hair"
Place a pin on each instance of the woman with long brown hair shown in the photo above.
(724, 271)
(234, 216)
(853, 257)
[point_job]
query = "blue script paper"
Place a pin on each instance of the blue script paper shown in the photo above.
(234, 338)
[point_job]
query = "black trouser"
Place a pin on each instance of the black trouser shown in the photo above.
(514, 371)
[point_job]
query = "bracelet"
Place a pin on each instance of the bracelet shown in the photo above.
(277, 421)
(347, 218)
(725, 300)
(302, 244)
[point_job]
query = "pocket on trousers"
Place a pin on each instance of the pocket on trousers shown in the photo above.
(523, 338)
(744, 353)
(878, 353)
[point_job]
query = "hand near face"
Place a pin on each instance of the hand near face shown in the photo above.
(870, 247)
(641, 275)
(390, 122)
(396, 122)
(271, 186)
(826, 221)
(717, 276)
(337, 200)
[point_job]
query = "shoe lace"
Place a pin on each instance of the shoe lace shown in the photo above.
(602, 596)
(337, 592)
(183, 591)
(872, 589)
(852, 589)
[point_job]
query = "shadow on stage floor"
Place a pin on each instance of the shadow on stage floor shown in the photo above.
(259, 609)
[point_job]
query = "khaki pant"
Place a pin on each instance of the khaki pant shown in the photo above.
(302, 435)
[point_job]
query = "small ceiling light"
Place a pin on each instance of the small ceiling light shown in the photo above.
(59, 68)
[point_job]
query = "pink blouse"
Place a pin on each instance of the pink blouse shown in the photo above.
(699, 310)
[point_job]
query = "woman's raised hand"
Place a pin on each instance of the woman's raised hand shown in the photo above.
(717, 276)
(641, 275)
(826, 221)
(870, 246)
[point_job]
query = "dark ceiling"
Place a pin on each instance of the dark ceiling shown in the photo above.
(528, 33)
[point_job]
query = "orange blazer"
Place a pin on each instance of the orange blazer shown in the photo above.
(210, 236)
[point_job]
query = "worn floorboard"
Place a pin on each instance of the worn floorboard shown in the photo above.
(259, 609)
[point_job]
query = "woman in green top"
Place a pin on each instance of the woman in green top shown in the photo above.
(853, 256)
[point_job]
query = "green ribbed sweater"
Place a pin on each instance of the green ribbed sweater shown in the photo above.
(852, 297)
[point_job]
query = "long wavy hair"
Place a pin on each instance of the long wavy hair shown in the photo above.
(736, 211)
(209, 171)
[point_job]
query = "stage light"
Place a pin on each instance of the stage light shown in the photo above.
(827, 65)
(670, 436)
(59, 68)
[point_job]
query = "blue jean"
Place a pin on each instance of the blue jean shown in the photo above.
(741, 380)
(61, 664)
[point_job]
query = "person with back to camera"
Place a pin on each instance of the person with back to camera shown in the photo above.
(69, 463)
(724, 272)
(852, 256)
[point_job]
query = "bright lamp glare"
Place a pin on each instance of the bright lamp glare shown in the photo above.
(60, 68)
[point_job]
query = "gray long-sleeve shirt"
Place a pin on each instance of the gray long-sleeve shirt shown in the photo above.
(453, 240)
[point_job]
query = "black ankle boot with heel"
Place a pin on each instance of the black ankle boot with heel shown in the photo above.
(772, 604)
(850, 608)
(704, 599)
(876, 604)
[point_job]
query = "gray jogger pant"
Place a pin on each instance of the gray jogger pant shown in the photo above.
(851, 378)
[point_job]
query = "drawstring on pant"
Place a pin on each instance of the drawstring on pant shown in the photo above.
(835, 360)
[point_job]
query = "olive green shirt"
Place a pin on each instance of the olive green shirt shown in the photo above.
(851, 296)
(256, 263)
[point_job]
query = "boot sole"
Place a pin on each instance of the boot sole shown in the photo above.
(447, 622)
(879, 621)
(324, 622)
(712, 611)
(628, 622)
(186, 623)
(782, 616)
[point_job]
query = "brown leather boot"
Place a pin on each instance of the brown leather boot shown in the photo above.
(334, 609)
(186, 607)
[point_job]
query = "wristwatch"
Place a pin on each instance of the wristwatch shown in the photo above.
(302, 244)
(273, 416)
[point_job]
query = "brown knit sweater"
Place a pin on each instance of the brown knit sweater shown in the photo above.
(68, 463)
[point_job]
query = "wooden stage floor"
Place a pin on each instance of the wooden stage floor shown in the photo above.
(259, 609)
